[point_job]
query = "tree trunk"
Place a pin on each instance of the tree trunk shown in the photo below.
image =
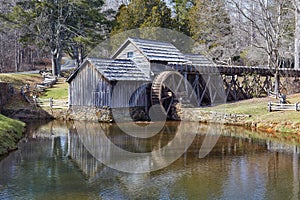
(277, 82)
(56, 62)
(78, 54)
(1, 53)
(17, 53)
(297, 34)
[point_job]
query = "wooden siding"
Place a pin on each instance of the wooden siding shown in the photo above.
(129, 94)
(102, 95)
(139, 59)
(90, 88)
(82, 87)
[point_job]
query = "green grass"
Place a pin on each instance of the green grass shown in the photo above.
(59, 92)
(280, 121)
(257, 108)
(243, 107)
(10, 132)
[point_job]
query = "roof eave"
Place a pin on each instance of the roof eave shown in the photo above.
(74, 74)
(121, 48)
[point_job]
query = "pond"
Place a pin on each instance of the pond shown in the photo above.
(81, 160)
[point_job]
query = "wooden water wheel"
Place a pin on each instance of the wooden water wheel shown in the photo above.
(168, 89)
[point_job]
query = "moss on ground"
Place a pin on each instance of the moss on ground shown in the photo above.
(11, 132)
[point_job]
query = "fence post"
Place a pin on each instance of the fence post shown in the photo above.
(51, 102)
(27, 86)
(22, 91)
(270, 106)
(34, 100)
(297, 106)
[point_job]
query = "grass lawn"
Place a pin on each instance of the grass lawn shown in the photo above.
(10, 132)
(58, 92)
(281, 121)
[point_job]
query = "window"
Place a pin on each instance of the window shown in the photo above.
(130, 54)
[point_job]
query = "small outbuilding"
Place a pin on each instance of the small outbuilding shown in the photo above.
(96, 80)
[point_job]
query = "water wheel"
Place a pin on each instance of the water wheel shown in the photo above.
(168, 89)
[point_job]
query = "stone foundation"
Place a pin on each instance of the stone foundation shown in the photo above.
(198, 115)
(87, 113)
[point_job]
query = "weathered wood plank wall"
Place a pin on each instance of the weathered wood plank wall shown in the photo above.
(129, 94)
(90, 88)
(138, 58)
(83, 86)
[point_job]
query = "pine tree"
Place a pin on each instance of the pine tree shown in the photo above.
(140, 14)
(210, 26)
(181, 11)
(60, 25)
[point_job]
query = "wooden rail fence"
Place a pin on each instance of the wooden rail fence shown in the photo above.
(281, 106)
(51, 103)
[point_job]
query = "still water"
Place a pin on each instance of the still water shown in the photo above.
(98, 161)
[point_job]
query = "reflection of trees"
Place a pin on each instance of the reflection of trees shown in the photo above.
(236, 165)
(41, 166)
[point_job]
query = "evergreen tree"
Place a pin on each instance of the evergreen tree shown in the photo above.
(210, 26)
(60, 25)
(181, 11)
(140, 14)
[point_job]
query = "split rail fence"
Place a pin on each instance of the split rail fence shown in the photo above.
(52, 103)
(283, 106)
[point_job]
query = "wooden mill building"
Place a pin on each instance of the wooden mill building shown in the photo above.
(131, 68)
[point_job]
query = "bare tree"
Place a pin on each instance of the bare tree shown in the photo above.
(297, 33)
(270, 27)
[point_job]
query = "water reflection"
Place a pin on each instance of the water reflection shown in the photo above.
(59, 161)
(120, 151)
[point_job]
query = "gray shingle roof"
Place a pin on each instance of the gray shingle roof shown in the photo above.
(155, 50)
(117, 70)
(198, 59)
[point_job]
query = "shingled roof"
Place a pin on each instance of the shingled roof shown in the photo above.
(119, 69)
(115, 70)
(198, 59)
(154, 50)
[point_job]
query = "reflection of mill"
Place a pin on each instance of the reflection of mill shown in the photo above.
(94, 142)
(106, 143)
(85, 150)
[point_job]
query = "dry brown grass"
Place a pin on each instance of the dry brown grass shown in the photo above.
(277, 121)
(19, 80)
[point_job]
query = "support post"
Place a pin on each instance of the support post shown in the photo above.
(270, 106)
(51, 102)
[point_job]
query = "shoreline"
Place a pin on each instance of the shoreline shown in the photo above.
(11, 132)
(15, 131)
(250, 114)
(201, 115)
